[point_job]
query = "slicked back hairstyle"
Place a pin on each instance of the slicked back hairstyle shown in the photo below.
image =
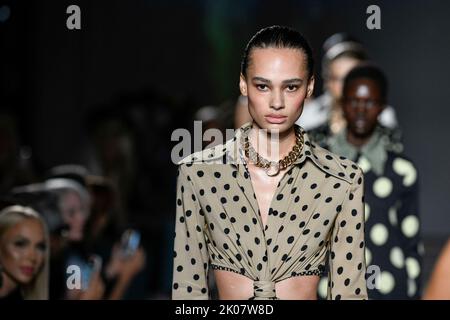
(278, 37)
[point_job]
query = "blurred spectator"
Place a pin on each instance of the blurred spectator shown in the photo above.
(114, 157)
(86, 209)
(131, 148)
(24, 254)
(74, 172)
(65, 205)
(73, 206)
(105, 240)
(101, 228)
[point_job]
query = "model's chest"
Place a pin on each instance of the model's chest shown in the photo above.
(264, 187)
(231, 197)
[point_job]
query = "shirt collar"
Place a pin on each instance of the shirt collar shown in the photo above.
(324, 160)
(374, 150)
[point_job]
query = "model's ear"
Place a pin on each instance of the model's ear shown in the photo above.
(310, 89)
(243, 85)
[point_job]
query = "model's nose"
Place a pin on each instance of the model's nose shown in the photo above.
(277, 101)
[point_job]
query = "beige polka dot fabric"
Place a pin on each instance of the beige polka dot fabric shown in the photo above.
(316, 213)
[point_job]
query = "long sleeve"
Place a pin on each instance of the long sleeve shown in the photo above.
(409, 222)
(190, 278)
(347, 259)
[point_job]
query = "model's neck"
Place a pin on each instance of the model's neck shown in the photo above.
(357, 141)
(272, 145)
(8, 285)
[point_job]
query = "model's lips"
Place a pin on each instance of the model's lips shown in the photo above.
(28, 271)
(359, 123)
(275, 118)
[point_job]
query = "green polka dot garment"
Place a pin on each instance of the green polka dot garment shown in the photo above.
(316, 217)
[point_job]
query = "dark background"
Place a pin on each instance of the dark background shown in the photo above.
(188, 53)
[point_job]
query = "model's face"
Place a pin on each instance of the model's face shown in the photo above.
(74, 215)
(338, 69)
(23, 251)
(276, 85)
(362, 103)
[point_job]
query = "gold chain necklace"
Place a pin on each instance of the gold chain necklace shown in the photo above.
(272, 168)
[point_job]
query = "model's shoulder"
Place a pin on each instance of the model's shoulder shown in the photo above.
(224, 152)
(335, 165)
(207, 155)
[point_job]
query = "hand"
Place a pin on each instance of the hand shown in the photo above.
(133, 264)
(96, 288)
(125, 267)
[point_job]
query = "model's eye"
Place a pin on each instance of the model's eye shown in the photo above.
(42, 247)
(262, 87)
(292, 87)
(370, 104)
(353, 103)
(20, 243)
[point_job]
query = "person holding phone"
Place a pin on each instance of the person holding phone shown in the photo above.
(122, 254)
(127, 260)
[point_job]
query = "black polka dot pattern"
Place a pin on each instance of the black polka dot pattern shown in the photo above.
(219, 225)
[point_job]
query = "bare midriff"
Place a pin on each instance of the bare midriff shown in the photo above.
(234, 286)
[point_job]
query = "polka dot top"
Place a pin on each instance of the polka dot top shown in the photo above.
(316, 215)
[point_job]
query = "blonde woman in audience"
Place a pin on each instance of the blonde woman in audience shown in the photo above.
(24, 254)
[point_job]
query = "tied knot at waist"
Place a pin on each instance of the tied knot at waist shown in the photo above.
(264, 290)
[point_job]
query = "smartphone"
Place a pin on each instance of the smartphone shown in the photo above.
(130, 242)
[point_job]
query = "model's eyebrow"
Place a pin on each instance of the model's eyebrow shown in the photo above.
(261, 79)
(288, 81)
(295, 80)
(21, 239)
